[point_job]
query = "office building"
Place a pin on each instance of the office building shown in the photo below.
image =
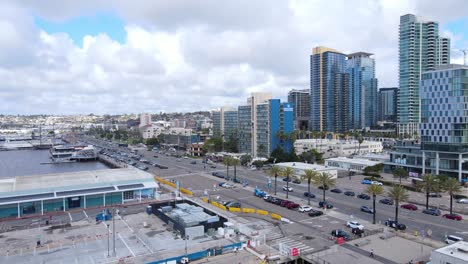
(420, 49)
(301, 101)
(444, 120)
(225, 123)
(388, 98)
(328, 90)
(362, 91)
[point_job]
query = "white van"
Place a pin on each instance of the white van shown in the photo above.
(452, 239)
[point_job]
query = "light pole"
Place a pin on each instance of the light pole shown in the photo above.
(113, 229)
(186, 238)
(108, 241)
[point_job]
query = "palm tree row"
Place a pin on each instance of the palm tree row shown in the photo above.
(230, 161)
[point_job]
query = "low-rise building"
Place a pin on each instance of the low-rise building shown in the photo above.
(456, 253)
(348, 164)
(196, 149)
(337, 148)
(299, 168)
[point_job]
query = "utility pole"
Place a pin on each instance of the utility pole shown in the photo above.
(113, 230)
(108, 240)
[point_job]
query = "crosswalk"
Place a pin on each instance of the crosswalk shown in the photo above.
(276, 239)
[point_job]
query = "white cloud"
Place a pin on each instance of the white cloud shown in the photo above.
(185, 56)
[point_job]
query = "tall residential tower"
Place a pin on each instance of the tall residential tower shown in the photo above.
(301, 101)
(420, 49)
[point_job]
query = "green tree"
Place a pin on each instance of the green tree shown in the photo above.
(213, 144)
(309, 175)
(373, 171)
(452, 186)
(399, 194)
(429, 184)
(360, 139)
(324, 180)
(400, 173)
(275, 171)
(312, 156)
(152, 141)
(374, 190)
(245, 159)
(258, 164)
(228, 162)
(287, 173)
(235, 162)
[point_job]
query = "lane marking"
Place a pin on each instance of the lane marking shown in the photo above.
(125, 243)
(85, 214)
(71, 219)
(120, 217)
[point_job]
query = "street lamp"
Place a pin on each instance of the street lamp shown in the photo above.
(186, 238)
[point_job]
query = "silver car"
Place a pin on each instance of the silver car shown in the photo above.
(463, 201)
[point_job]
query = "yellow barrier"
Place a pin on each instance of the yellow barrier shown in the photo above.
(248, 210)
(222, 207)
(205, 199)
(276, 216)
(234, 209)
(215, 204)
(262, 212)
(183, 190)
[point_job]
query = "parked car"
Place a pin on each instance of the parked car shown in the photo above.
(357, 231)
(292, 205)
(287, 179)
(349, 193)
(453, 216)
(432, 211)
(296, 181)
(435, 195)
(266, 197)
(354, 224)
(363, 196)
(322, 187)
(336, 190)
(287, 188)
(193, 162)
(213, 166)
(366, 182)
(386, 201)
(228, 186)
(304, 208)
(367, 209)
(309, 194)
(314, 213)
(463, 201)
(340, 233)
(377, 183)
(233, 205)
(325, 204)
(411, 207)
(459, 196)
(277, 201)
(394, 224)
(284, 203)
(450, 239)
(221, 184)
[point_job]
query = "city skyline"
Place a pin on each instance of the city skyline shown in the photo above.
(87, 57)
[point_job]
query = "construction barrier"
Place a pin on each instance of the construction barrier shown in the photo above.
(205, 199)
(262, 212)
(276, 216)
(214, 204)
(183, 190)
(248, 210)
(166, 182)
(234, 209)
(222, 207)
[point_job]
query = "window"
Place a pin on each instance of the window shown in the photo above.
(128, 195)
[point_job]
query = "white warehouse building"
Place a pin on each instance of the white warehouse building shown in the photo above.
(299, 168)
(337, 148)
(348, 164)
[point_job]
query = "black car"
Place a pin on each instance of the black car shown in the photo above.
(325, 204)
(193, 162)
(213, 166)
(236, 180)
(309, 194)
(367, 209)
(277, 201)
(357, 231)
(155, 156)
(287, 179)
(364, 196)
(314, 213)
(340, 233)
(435, 195)
(394, 224)
(459, 196)
(322, 187)
(270, 199)
(432, 211)
(349, 193)
(336, 190)
(386, 201)
(296, 181)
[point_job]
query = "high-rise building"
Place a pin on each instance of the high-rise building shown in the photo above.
(145, 119)
(225, 123)
(273, 120)
(388, 98)
(444, 121)
(329, 84)
(362, 93)
(301, 101)
(420, 49)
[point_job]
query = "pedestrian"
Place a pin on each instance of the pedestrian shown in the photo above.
(371, 253)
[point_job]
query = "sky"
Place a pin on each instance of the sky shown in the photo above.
(115, 57)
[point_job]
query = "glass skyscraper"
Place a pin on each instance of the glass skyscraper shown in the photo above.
(328, 90)
(362, 93)
(420, 49)
(388, 104)
(301, 101)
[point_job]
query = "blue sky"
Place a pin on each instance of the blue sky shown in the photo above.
(78, 27)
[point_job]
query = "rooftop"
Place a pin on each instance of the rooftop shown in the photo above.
(355, 161)
(304, 166)
(457, 250)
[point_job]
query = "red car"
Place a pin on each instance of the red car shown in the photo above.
(453, 217)
(292, 205)
(411, 207)
(285, 203)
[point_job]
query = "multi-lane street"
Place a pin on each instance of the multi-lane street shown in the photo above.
(183, 169)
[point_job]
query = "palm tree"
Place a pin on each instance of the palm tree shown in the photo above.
(235, 162)
(374, 190)
(287, 173)
(227, 161)
(360, 139)
(452, 186)
(325, 181)
(275, 171)
(400, 173)
(429, 184)
(398, 194)
(309, 175)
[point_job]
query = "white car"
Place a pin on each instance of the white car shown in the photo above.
(288, 189)
(266, 196)
(227, 186)
(354, 224)
(463, 201)
(377, 183)
(304, 208)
